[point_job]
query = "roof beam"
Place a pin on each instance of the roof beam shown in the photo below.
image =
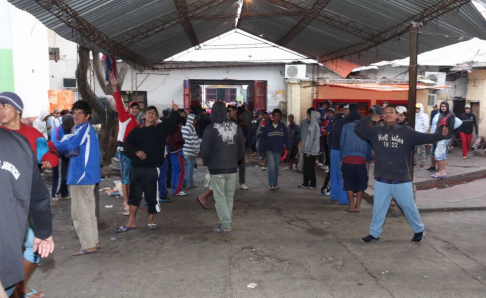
(185, 22)
(309, 17)
(158, 25)
(89, 35)
(432, 12)
(330, 18)
(250, 15)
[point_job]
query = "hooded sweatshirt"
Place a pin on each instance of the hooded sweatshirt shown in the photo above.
(311, 145)
(422, 121)
(223, 144)
(191, 140)
(447, 118)
(392, 145)
(40, 124)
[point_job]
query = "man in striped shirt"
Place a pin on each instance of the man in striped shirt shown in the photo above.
(191, 148)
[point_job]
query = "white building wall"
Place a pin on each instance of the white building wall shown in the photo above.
(66, 66)
(30, 61)
(162, 89)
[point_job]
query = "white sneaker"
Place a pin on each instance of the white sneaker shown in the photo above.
(271, 187)
(181, 194)
(324, 167)
(287, 168)
(244, 187)
(319, 164)
(264, 169)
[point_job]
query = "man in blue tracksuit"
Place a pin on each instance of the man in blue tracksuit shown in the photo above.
(393, 145)
(274, 137)
(84, 173)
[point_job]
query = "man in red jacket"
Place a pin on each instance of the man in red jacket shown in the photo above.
(127, 121)
(11, 108)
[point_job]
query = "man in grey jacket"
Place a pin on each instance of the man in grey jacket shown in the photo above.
(23, 193)
(310, 147)
(222, 147)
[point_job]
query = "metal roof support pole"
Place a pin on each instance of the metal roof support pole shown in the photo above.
(186, 22)
(412, 79)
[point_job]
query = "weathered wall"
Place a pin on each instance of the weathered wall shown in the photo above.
(476, 92)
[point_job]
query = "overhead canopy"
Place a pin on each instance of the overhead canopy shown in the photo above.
(145, 32)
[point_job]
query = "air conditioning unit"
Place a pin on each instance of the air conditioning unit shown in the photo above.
(69, 83)
(438, 77)
(295, 71)
(432, 99)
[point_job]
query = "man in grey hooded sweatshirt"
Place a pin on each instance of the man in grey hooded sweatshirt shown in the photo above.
(222, 147)
(311, 150)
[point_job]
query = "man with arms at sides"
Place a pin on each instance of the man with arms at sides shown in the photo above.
(54, 121)
(127, 121)
(446, 118)
(23, 194)
(83, 174)
(222, 147)
(145, 146)
(393, 145)
(466, 130)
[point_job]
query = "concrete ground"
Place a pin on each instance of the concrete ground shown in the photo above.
(290, 242)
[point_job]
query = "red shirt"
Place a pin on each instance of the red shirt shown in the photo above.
(126, 121)
(32, 134)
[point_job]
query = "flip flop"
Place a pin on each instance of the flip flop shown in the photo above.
(152, 226)
(83, 252)
(220, 230)
(123, 229)
(125, 212)
(33, 292)
(352, 211)
(204, 206)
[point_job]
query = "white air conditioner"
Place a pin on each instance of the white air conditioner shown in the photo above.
(438, 77)
(295, 71)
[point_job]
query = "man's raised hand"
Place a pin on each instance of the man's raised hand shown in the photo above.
(175, 107)
(113, 80)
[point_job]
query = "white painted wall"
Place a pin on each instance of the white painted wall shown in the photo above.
(30, 60)
(5, 25)
(65, 67)
(162, 89)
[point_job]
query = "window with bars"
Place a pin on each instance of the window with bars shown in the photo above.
(226, 94)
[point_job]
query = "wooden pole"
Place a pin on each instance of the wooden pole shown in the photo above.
(412, 79)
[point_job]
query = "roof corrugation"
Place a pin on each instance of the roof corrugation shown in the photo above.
(115, 17)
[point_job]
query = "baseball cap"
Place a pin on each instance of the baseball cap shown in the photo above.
(417, 106)
(467, 106)
(56, 111)
(330, 110)
(133, 103)
(346, 106)
(401, 109)
(13, 100)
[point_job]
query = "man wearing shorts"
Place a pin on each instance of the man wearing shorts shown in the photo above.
(127, 121)
(355, 155)
(446, 118)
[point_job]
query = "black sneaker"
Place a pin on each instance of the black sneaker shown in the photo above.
(419, 237)
(311, 187)
(432, 169)
(303, 186)
(369, 238)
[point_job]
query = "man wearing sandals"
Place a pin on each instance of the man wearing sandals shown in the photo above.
(145, 146)
(222, 147)
(83, 174)
(127, 121)
(393, 145)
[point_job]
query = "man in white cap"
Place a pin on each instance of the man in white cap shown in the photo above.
(466, 129)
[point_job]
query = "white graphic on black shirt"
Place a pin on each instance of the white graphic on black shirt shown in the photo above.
(227, 131)
(10, 168)
(394, 141)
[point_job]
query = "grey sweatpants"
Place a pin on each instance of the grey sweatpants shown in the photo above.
(223, 186)
(83, 214)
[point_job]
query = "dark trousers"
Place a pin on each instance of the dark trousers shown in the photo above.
(321, 149)
(309, 170)
(253, 142)
(169, 173)
(325, 147)
(143, 181)
(327, 182)
(63, 161)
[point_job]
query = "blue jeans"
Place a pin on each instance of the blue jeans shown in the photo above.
(9, 291)
(403, 194)
(422, 153)
(189, 166)
(273, 159)
(337, 191)
(164, 168)
(29, 254)
(63, 165)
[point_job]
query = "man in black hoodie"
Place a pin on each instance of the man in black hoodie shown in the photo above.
(337, 191)
(222, 147)
(446, 118)
(393, 145)
(466, 129)
(145, 146)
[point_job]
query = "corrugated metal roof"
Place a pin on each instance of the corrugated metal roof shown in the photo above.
(117, 17)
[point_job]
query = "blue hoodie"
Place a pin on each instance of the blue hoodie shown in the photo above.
(352, 145)
(85, 168)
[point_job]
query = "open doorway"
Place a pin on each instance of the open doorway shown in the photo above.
(203, 93)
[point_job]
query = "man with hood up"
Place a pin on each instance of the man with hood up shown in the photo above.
(57, 135)
(40, 123)
(311, 150)
(337, 191)
(392, 144)
(422, 124)
(222, 147)
(304, 125)
(446, 118)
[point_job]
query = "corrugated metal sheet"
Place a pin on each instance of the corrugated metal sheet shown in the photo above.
(116, 17)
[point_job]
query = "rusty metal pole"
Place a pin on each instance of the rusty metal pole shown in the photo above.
(412, 80)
